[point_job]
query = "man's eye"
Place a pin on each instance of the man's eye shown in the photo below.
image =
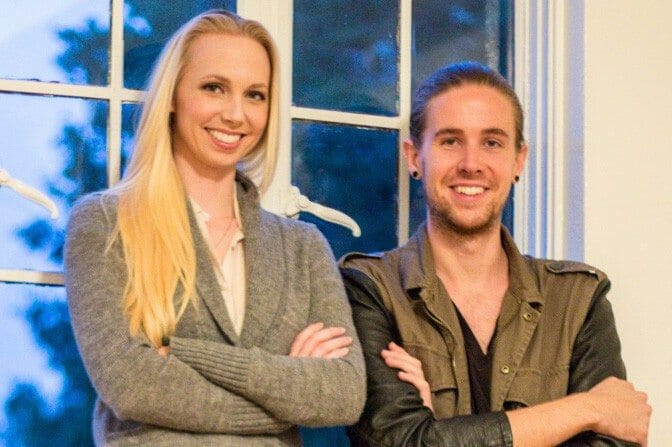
(492, 144)
(449, 141)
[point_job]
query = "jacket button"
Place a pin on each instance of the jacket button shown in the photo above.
(505, 369)
(527, 316)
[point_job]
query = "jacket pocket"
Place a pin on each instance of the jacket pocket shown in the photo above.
(439, 374)
(526, 390)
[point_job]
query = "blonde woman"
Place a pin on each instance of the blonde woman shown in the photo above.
(201, 318)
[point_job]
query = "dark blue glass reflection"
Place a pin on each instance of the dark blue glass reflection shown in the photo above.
(354, 170)
(48, 396)
(346, 55)
(64, 157)
(147, 27)
(130, 116)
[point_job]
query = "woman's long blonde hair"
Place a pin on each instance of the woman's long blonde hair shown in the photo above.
(153, 222)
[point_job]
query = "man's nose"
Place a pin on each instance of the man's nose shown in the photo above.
(470, 159)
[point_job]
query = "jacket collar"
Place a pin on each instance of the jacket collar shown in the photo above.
(418, 272)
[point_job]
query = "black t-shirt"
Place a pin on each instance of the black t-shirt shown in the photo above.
(480, 368)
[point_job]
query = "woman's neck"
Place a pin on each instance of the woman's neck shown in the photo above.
(213, 193)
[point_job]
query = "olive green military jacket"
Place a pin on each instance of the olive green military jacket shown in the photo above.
(555, 335)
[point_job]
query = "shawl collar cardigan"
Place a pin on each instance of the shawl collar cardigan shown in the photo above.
(214, 388)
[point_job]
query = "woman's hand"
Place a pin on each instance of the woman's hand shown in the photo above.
(320, 342)
(410, 370)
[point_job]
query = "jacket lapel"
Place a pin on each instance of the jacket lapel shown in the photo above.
(517, 322)
(440, 308)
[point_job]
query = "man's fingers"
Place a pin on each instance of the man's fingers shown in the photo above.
(418, 382)
(402, 361)
(392, 346)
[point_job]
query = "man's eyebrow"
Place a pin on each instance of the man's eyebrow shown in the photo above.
(448, 131)
(495, 131)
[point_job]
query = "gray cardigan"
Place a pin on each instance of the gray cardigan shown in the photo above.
(215, 387)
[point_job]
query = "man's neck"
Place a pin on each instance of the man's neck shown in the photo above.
(471, 258)
(474, 270)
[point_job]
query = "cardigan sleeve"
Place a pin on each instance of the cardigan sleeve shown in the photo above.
(129, 375)
(304, 391)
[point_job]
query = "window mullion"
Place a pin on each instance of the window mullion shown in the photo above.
(338, 117)
(116, 81)
(541, 213)
(23, 276)
(405, 76)
(277, 17)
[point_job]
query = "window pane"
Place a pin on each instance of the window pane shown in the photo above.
(45, 394)
(130, 117)
(448, 32)
(346, 55)
(149, 24)
(57, 145)
(353, 170)
(417, 212)
(55, 41)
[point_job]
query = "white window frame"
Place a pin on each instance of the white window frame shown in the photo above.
(541, 36)
(548, 61)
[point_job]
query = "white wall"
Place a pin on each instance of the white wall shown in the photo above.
(628, 183)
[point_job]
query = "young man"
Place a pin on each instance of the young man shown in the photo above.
(467, 342)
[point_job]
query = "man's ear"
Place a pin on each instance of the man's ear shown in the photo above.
(412, 155)
(521, 158)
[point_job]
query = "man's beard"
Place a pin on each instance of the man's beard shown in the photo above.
(443, 216)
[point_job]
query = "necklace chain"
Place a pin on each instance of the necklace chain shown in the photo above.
(230, 225)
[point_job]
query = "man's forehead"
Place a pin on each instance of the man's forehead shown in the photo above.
(471, 106)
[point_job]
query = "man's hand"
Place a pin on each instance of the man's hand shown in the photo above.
(623, 412)
(320, 342)
(612, 407)
(410, 370)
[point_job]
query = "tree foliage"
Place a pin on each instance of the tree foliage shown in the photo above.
(345, 58)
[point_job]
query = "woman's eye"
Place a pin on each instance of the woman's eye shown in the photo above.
(212, 87)
(257, 96)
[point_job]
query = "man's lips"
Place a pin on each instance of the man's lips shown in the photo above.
(468, 190)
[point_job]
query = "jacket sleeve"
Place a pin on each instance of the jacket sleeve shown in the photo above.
(596, 355)
(129, 375)
(304, 391)
(394, 414)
